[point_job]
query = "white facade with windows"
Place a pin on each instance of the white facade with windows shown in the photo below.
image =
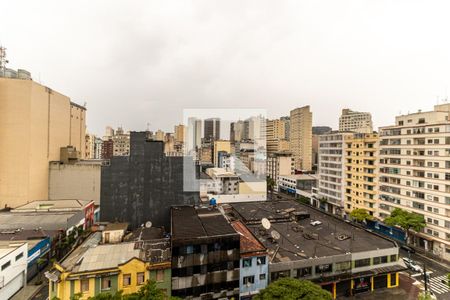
(415, 174)
(360, 122)
(13, 268)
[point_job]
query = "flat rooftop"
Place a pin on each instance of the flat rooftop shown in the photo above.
(297, 240)
(300, 176)
(33, 220)
(189, 222)
(52, 205)
(8, 247)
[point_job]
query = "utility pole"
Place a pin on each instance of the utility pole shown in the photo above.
(425, 278)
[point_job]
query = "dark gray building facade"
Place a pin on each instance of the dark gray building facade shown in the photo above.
(143, 186)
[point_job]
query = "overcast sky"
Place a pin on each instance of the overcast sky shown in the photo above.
(139, 62)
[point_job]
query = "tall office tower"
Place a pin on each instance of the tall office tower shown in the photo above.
(414, 174)
(355, 121)
(331, 171)
(212, 129)
(159, 135)
(35, 122)
(193, 135)
(141, 187)
(276, 136)
(316, 131)
(361, 172)
(179, 134)
(237, 131)
(301, 138)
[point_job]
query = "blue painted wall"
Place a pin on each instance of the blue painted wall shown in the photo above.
(254, 270)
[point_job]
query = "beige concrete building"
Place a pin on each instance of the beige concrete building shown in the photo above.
(121, 142)
(80, 180)
(179, 133)
(280, 163)
(276, 135)
(220, 145)
(301, 138)
(355, 121)
(361, 172)
(35, 121)
(415, 176)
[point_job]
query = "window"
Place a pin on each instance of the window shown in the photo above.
(261, 260)
(393, 257)
(343, 266)
(380, 260)
(362, 262)
(248, 279)
(159, 275)
(19, 256)
(246, 262)
(303, 272)
(106, 283)
(323, 268)
(262, 276)
(126, 279)
(140, 278)
(5, 265)
(84, 285)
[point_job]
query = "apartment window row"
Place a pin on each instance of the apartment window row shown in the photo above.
(246, 280)
(247, 262)
(203, 269)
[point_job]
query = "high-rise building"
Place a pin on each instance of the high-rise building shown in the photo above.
(141, 187)
(35, 122)
(179, 133)
(121, 142)
(159, 135)
(276, 136)
(107, 149)
(355, 121)
(316, 131)
(220, 146)
(237, 131)
(361, 172)
(194, 135)
(331, 171)
(414, 174)
(301, 138)
(212, 129)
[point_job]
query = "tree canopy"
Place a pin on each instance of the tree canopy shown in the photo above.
(360, 214)
(406, 220)
(291, 289)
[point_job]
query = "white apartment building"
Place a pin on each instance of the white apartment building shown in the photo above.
(415, 174)
(355, 121)
(13, 267)
(331, 172)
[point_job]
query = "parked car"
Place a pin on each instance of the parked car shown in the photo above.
(412, 265)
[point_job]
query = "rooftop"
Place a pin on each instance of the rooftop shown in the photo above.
(33, 220)
(52, 205)
(248, 242)
(8, 247)
(301, 176)
(145, 234)
(294, 236)
(189, 222)
(116, 226)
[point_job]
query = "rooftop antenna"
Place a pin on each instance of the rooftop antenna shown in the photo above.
(3, 60)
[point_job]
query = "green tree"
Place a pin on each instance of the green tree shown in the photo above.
(406, 220)
(291, 289)
(270, 184)
(360, 215)
(149, 291)
(424, 296)
(108, 296)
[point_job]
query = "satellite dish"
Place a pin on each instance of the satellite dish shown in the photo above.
(148, 224)
(265, 223)
(275, 235)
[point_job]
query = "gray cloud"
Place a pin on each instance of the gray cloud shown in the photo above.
(136, 62)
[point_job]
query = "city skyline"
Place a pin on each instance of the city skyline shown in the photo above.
(158, 59)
